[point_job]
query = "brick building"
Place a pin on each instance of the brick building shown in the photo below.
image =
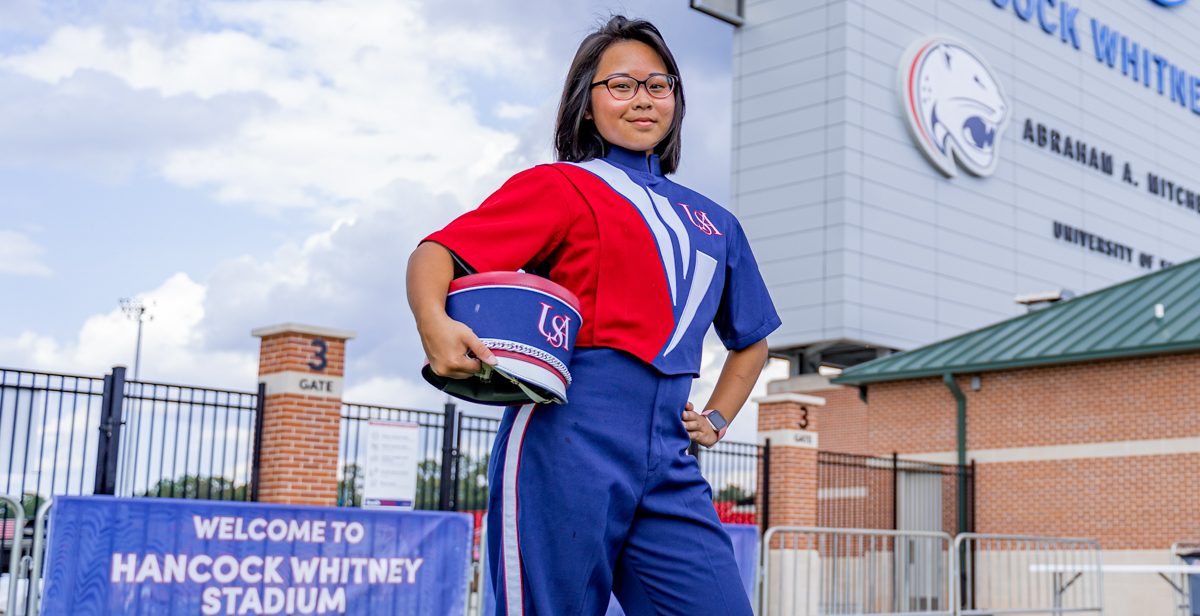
(1082, 418)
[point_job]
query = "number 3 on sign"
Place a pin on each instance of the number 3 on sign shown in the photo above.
(319, 355)
(803, 417)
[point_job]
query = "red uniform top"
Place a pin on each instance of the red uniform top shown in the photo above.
(646, 262)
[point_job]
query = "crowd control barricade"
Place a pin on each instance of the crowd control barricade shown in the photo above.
(1013, 574)
(13, 537)
(33, 594)
(811, 570)
(1186, 585)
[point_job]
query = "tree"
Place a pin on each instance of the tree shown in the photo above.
(473, 483)
(429, 484)
(30, 501)
(202, 487)
(735, 494)
(349, 492)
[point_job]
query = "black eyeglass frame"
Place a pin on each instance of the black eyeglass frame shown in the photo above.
(673, 80)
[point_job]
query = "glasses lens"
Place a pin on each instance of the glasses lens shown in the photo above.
(622, 88)
(660, 86)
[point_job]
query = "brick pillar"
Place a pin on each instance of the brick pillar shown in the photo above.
(789, 420)
(301, 366)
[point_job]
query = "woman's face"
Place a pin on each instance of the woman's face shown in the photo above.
(641, 122)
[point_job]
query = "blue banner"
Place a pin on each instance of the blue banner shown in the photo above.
(142, 556)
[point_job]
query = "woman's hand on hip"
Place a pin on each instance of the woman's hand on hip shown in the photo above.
(698, 427)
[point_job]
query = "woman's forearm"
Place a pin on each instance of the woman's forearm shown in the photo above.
(447, 342)
(430, 270)
(738, 376)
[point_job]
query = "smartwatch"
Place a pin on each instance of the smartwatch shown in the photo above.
(718, 423)
(716, 419)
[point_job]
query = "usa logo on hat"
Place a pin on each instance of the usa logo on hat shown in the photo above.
(529, 323)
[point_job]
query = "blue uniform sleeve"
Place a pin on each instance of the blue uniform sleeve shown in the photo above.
(746, 313)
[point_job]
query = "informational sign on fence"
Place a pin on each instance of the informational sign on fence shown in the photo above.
(390, 477)
(126, 556)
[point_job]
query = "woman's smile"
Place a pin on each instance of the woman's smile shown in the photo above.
(643, 122)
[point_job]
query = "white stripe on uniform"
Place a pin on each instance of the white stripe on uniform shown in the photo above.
(511, 556)
(620, 182)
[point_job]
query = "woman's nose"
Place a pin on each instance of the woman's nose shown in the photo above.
(642, 101)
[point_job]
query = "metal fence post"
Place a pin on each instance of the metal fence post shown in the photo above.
(895, 490)
(255, 472)
(449, 457)
(14, 553)
(34, 596)
(111, 411)
(766, 489)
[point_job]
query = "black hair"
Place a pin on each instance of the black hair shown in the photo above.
(575, 137)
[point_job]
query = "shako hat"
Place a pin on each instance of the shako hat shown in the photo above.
(529, 323)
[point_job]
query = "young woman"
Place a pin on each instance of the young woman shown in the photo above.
(599, 494)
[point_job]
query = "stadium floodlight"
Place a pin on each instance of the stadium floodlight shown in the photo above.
(135, 309)
(730, 11)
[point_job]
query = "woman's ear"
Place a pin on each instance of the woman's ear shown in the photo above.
(587, 113)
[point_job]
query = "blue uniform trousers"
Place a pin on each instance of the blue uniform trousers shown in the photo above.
(600, 495)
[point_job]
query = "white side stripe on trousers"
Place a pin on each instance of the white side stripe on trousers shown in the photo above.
(513, 586)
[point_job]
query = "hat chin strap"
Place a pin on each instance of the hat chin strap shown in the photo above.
(486, 374)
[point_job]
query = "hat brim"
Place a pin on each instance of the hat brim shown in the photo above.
(499, 391)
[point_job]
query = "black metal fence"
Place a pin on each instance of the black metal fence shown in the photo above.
(187, 442)
(470, 447)
(473, 451)
(63, 434)
(731, 468)
(48, 434)
(352, 452)
(856, 491)
(68, 434)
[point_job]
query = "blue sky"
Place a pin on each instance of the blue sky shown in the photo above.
(245, 163)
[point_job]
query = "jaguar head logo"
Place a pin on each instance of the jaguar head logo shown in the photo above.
(954, 105)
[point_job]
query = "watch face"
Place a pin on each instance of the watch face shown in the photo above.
(717, 420)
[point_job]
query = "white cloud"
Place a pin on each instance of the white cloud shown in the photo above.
(359, 112)
(99, 123)
(364, 93)
(21, 255)
(173, 345)
(513, 111)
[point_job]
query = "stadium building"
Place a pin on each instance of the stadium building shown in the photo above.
(906, 168)
(978, 183)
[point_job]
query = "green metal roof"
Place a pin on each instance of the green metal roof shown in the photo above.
(1114, 322)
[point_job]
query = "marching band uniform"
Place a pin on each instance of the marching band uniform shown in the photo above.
(600, 493)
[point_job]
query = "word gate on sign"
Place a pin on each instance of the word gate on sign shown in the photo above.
(149, 556)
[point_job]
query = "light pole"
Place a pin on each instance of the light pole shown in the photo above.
(135, 309)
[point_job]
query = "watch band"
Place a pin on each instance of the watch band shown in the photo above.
(722, 429)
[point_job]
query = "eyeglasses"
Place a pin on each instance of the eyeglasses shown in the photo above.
(624, 87)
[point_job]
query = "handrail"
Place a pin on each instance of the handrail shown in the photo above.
(14, 555)
(39, 552)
